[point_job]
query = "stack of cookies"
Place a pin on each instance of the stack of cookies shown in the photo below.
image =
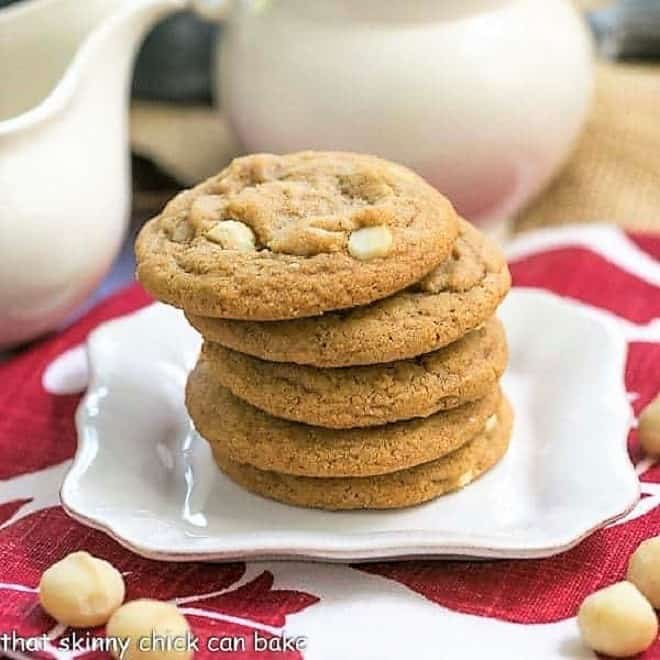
(351, 353)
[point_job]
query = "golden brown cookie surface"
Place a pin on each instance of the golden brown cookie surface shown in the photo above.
(347, 397)
(455, 298)
(249, 435)
(393, 490)
(282, 237)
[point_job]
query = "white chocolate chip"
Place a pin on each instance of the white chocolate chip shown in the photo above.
(649, 428)
(370, 242)
(142, 620)
(644, 570)
(617, 621)
(232, 235)
(491, 424)
(81, 590)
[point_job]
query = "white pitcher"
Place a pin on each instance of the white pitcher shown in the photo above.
(482, 97)
(65, 72)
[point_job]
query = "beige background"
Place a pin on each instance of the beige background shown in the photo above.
(612, 175)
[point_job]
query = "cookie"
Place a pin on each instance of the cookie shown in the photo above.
(249, 435)
(347, 397)
(454, 299)
(393, 490)
(282, 237)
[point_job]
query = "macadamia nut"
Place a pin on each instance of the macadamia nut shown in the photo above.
(232, 235)
(649, 428)
(644, 570)
(370, 242)
(155, 630)
(617, 621)
(81, 590)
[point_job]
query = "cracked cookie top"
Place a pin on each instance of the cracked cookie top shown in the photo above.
(280, 237)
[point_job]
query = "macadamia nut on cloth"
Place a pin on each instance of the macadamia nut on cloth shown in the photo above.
(81, 590)
(155, 630)
(617, 621)
(649, 428)
(644, 570)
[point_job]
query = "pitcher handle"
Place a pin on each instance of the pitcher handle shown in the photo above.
(213, 10)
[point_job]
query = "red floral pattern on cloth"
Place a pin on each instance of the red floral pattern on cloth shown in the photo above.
(37, 434)
(212, 596)
(650, 243)
(541, 591)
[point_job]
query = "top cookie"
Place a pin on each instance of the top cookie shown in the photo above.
(455, 298)
(282, 237)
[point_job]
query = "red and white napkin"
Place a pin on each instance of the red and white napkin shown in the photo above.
(415, 609)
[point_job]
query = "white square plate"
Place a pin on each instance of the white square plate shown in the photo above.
(144, 476)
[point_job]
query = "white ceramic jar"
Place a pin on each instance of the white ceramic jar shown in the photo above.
(64, 156)
(482, 97)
